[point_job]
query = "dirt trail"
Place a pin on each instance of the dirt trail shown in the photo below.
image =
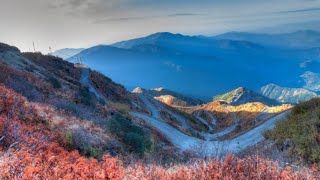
(85, 81)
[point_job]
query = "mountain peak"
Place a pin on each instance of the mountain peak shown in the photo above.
(243, 95)
(152, 39)
(138, 90)
(164, 34)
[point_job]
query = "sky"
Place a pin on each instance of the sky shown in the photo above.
(85, 23)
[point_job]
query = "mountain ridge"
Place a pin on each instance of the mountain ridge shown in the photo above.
(297, 39)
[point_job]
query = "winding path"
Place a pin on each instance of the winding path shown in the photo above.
(203, 121)
(183, 122)
(213, 119)
(153, 110)
(211, 148)
(231, 128)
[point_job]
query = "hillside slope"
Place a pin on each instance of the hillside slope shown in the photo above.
(299, 134)
(69, 106)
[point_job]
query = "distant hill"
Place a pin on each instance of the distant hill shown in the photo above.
(67, 52)
(287, 95)
(243, 95)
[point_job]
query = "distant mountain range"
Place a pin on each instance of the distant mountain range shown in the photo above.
(300, 39)
(202, 66)
(290, 27)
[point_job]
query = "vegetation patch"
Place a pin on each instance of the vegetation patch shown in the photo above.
(87, 98)
(55, 82)
(136, 138)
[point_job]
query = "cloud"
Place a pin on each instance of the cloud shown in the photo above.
(73, 4)
(182, 14)
(88, 8)
(120, 19)
(302, 10)
(103, 12)
(126, 19)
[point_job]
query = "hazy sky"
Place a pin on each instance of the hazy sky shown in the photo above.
(84, 23)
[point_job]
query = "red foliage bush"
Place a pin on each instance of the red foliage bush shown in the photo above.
(37, 155)
(53, 162)
(230, 168)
